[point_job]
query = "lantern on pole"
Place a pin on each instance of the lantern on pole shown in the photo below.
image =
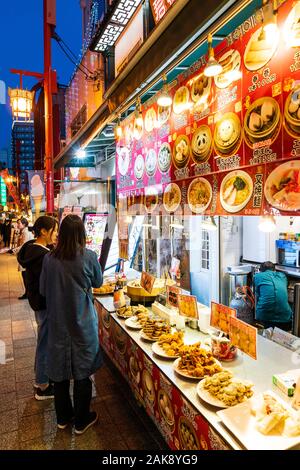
(21, 102)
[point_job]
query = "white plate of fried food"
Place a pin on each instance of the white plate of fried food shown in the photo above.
(223, 390)
(153, 328)
(130, 311)
(168, 345)
(105, 289)
(264, 422)
(137, 321)
(196, 362)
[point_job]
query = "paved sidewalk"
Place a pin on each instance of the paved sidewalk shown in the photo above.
(28, 424)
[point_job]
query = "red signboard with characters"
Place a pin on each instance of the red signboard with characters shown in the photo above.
(212, 151)
(159, 8)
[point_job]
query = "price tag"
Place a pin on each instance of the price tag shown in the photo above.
(147, 281)
(188, 306)
(172, 296)
(220, 316)
(243, 336)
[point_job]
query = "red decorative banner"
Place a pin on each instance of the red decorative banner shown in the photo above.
(159, 8)
(213, 150)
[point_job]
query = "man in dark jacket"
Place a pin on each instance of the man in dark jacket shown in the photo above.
(31, 258)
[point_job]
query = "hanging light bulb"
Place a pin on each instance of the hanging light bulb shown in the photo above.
(267, 223)
(164, 99)
(213, 67)
(270, 27)
(118, 129)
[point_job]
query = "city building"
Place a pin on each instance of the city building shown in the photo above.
(23, 152)
(4, 158)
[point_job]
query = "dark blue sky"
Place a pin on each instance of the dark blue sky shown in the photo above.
(21, 46)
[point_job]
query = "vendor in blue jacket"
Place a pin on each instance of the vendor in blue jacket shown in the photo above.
(272, 307)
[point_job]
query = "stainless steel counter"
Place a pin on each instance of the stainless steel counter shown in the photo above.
(295, 272)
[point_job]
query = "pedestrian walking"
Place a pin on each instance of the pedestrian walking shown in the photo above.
(24, 236)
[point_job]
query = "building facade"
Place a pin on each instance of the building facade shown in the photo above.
(4, 158)
(22, 149)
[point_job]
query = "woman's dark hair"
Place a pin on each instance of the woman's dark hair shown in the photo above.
(24, 221)
(267, 266)
(44, 222)
(71, 238)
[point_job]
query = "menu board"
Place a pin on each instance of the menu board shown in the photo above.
(220, 316)
(188, 306)
(95, 225)
(243, 336)
(147, 281)
(220, 147)
(172, 296)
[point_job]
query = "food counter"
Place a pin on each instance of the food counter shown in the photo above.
(172, 402)
(292, 272)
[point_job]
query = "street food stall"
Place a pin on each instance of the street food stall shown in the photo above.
(225, 147)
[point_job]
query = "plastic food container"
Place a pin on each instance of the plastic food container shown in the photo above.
(223, 349)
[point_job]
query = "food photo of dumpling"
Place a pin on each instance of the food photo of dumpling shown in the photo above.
(292, 112)
(201, 144)
(262, 121)
(150, 120)
(181, 151)
(181, 100)
(227, 134)
(165, 408)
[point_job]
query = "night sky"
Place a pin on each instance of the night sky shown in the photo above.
(21, 46)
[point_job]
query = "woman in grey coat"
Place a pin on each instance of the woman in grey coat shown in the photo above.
(68, 275)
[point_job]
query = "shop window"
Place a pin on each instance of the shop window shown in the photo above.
(205, 250)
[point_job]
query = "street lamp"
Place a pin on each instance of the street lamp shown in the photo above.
(21, 102)
(50, 87)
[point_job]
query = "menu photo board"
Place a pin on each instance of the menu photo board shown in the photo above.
(220, 316)
(187, 305)
(147, 281)
(288, 18)
(243, 336)
(241, 191)
(172, 296)
(228, 150)
(95, 227)
(222, 135)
